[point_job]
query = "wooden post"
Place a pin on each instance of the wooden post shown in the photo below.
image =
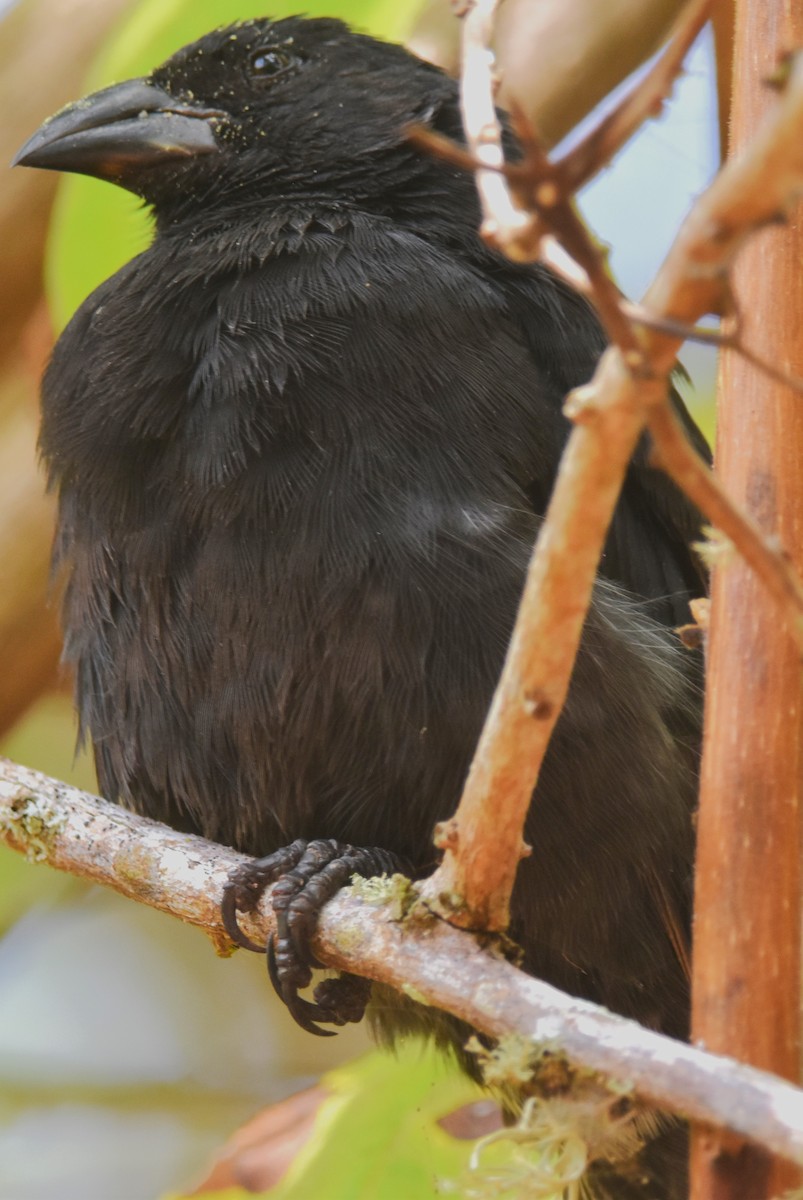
(748, 901)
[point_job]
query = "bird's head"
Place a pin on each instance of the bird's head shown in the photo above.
(255, 112)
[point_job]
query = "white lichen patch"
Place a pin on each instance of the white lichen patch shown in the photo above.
(176, 865)
(33, 822)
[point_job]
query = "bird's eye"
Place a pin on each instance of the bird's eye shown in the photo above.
(264, 63)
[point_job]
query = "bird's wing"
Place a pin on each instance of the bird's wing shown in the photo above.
(649, 545)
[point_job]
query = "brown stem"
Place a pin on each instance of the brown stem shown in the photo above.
(747, 925)
(483, 841)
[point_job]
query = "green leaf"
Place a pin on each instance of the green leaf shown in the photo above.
(377, 1135)
(97, 227)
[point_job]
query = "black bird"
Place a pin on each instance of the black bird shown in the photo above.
(301, 447)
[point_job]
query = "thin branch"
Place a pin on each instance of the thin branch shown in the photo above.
(539, 184)
(644, 101)
(515, 230)
(483, 841)
(677, 457)
(755, 189)
(548, 249)
(508, 224)
(502, 217)
(184, 876)
(730, 339)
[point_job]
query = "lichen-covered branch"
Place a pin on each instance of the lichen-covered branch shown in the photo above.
(360, 932)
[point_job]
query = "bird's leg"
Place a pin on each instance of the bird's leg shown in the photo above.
(306, 875)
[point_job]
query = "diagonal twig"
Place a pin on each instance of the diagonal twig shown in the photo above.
(644, 101)
(501, 216)
(483, 841)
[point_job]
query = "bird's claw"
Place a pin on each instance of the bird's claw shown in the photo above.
(339, 1001)
(246, 886)
(306, 876)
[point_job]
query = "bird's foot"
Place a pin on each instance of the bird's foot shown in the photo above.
(306, 875)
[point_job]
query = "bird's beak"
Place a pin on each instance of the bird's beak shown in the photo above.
(119, 131)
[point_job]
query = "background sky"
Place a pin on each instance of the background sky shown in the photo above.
(638, 204)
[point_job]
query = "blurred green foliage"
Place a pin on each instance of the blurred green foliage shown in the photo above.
(377, 1134)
